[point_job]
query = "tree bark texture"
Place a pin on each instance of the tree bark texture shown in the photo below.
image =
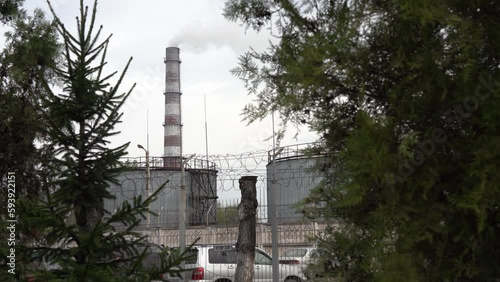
(245, 246)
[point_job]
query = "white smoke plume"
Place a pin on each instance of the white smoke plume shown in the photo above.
(198, 37)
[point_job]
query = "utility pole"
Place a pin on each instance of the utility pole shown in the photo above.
(206, 130)
(182, 215)
(148, 181)
(272, 217)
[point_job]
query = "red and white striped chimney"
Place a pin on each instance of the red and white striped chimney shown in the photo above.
(173, 122)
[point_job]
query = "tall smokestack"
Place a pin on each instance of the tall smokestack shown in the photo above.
(173, 122)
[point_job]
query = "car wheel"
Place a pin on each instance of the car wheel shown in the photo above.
(293, 279)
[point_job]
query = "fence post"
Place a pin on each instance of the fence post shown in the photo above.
(245, 245)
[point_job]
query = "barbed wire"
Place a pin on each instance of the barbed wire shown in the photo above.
(294, 173)
(216, 179)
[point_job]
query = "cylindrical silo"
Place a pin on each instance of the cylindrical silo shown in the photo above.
(173, 123)
(291, 176)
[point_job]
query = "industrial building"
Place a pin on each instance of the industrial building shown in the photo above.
(147, 174)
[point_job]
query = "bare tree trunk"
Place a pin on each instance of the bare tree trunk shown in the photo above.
(246, 234)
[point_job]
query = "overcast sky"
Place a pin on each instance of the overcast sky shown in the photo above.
(209, 48)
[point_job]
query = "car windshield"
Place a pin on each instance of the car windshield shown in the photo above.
(222, 256)
(193, 256)
(295, 253)
(261, 258)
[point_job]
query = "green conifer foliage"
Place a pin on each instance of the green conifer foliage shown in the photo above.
(81, 240)
(29, 51)
(84, 116)
(405, 97)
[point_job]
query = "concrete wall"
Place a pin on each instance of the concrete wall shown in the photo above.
(289, 235)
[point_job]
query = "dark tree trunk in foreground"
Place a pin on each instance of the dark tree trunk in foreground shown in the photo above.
(246, 233)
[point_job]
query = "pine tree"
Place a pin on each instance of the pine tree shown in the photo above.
(405, 97)
(81, 237)
(31, 46)
(10, 10)
(30, 49)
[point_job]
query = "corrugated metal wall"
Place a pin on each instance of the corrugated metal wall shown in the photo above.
(293, 180)
(133, 183)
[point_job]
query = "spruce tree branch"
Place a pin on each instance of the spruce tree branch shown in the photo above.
(103, 58)
(82, 25)
(88, 40)
(94, 41)
(118, 83)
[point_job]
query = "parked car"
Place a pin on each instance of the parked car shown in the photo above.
(300, 256)
(151, 260)
(217, 263)
(320, 264)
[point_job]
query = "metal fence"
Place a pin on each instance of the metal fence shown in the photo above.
(290, 174)
(290, 235)
(212, 265)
